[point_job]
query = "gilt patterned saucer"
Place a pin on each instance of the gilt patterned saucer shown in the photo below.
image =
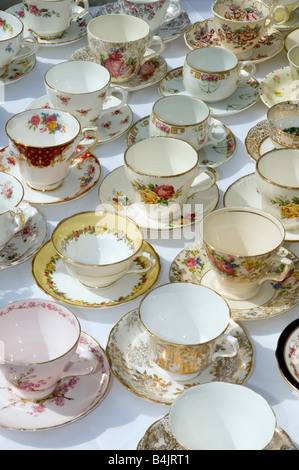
(52, 277)
(257, 141)
(246, 95)
(18, 70)
(128, 353)
(276, 87)
(287, 354)
(193, 265)
(202, 34)
(73, 398)
(84, 174)
(212, 155)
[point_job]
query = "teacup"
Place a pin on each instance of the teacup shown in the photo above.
(44, 142)
(222, 416)
(213, 73)
(187, 325)
(244, 249)
(291, 7)
(119, 43)
(240, 24)
(293, 58)
(151, 11)
(161, 171)
(13, 46)
(11, 215)
(99, 248)
(192, 123)
(50, 18)
(81, 88)
(40, 346)
(283, 124)
(278, 182)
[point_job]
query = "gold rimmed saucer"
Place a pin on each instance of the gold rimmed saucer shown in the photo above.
(257, 141)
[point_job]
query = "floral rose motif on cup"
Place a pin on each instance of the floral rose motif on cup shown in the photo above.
(241, 38)
(148, 12)
(6, 190)
(117, 65)
(247, 14)
(162, 194)
(6, 26)
(46, 122)
(44, 12)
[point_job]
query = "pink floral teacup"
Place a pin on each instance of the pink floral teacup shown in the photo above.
(40, 345)
(151, 11)
(11, 216)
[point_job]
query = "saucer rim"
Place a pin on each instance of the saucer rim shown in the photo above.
(263, 99)
(263, 125)
(279, 353)
(33, 58)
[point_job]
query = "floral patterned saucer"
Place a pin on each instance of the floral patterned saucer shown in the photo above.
(18, 70)
(76, 31)
(202, 34)
(129, 357)
(72, 399)
(244, 192)
(213, 155)
(193, 265)
(246, 95)
(84, 174)
(26, 241)
(110, 127)
(53, 278)
(150, 73)
(276, 87)
(159, 437)
(115, 193)
(257, 141)
(287, 354)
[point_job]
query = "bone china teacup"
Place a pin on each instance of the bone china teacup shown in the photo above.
(119, 43)
(161, 171)
(213, 73)
(40, 346)
(243, 246)
(12, 42)
(151, 11)
(283, 124)
(44, 142)
(187, 327)
(222, 416)
(11, 216)
(81, 88)
(98, 248)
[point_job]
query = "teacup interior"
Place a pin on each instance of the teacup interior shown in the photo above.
(293, 55)
(183, 313)
(281, 167)
(118, 28)
(10, 26)
(191, 110)
(211, 59)
(11, 192)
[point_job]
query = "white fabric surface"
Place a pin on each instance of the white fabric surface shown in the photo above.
(122, 418)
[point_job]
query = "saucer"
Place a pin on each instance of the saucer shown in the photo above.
(110, 127)
(160, 437)
(287, 354)
(276, 87)
(84, 174)
(174, 26)
(212, 155)
(115, 192)
(246, 95)
(244, 192)
(26, 241)
(193, 265)
(128, 352)
(76, 31)
(257, 141)
(18, 70)
(202, 34)
(150, 73)
(72, 399)
(52, 277)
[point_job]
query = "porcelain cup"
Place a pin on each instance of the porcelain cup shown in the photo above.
(161, 171)
(120, 42)
(193, 122)
(277, 174)
(41, 346)
(240, 24)
(222, 416)
(213, 73)
(151, 11)
(44, 142)
(187, 327)
(291, 7)
(49, 19)
(293, 58)
(13, 46)
(11, 215)
(99, 248)
(283, 124)
(244, 247)
(81, 88)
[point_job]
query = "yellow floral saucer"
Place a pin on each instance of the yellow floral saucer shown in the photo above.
(276, 87)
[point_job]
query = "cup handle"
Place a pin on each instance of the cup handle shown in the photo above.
(88, 145)
(178, 13)
(274, 11)
(31, 43)
(160, 41)
(209, 171)
(81, 359)
(212, 138)
(124, 95)
(18, 217)
(150, 264)
(227, 339)
(78, 15)
(248, 67)
(284, 261)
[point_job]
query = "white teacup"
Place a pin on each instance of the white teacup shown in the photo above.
(293, 58)
(12, 42)
(50, 18)
(186, 324)
(290, 5)
(213, 73)
(40, 346)
(161, 171)
(151, 11)
(81, 88)
(187, 118)
(11, 216)
(222, 416)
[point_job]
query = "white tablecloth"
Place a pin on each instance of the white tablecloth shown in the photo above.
(122, 418)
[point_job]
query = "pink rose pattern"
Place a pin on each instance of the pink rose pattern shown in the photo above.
(6, 190)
